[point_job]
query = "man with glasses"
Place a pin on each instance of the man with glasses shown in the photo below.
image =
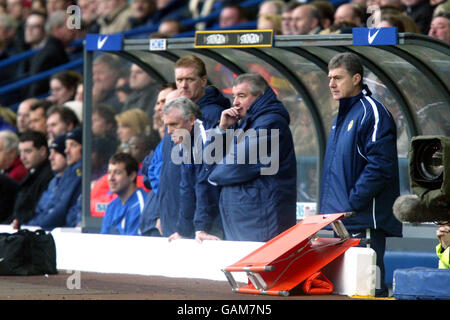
(51, 53)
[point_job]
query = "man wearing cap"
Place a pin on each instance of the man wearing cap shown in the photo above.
(74, 143)
(63, 191)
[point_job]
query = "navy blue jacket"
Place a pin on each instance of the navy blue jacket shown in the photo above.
(360, 170)
(211, 105)
(199, 200)
(56, 201)
(256, 206)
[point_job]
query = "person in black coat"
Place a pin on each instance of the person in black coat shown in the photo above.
(51, 53)
(34, 155)
(8, 192)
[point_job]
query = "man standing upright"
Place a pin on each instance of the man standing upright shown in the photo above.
(257, 198)
(191, 82)
(360, 170)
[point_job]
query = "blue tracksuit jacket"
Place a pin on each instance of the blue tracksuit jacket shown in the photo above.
(360, 170)
(58, 199)
(124, 218)
(255, 206)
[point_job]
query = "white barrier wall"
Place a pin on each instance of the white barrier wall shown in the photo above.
(352, 274)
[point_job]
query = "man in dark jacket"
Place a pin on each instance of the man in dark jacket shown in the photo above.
(199, 200)
(258, 195)
(191, 81)
(34, 155)
(51, 53)
(361, 165)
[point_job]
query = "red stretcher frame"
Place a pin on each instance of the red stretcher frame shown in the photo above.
(291, 257)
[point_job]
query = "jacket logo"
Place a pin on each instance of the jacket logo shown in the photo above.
(350, 125)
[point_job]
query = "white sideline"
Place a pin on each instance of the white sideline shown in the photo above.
(351, 274)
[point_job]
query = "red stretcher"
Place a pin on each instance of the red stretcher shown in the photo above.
(287, 260)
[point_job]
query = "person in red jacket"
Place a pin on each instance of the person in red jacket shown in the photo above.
(10, 163)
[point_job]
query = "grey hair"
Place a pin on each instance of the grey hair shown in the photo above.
(187, 107)
(10, 140)
(55, 19)
(7, 22)
(258, 84)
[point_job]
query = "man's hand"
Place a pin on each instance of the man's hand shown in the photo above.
(443, 234)
(158, 225)
(15, 224)
(175, 236)
(202, 235)
(228, 118)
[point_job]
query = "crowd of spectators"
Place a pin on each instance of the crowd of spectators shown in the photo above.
(40, 153)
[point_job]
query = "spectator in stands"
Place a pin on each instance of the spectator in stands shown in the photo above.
(440, 27)
(90, 15)
(326, 10)
(123, 214)
(199, 200)
(143, 11)
(286, 18)
(38, 116)
(171, 9)
(144, 91)
(191, 80)
(8, 192)
(266, 199)
(140, 146)
(170, 27)
(158, 123)
(231, 15)
(56, 26)
(123, 89)
(63, 86)
(115, 16)
(442, 249)
(23, 114)
(106, 71)
(10, 163)
(8, 47)
(129, 123)
(271, 7)
(391, 21)
(104, 123)
(373, 186)
(55, 5)
(60, 120)
(51, 53)
(270, 21)
(421, 12)
(305, 20)
(348, 12)
(19, 10)
(7, 119)
(39, 5)
(63, 191)
(34, 156)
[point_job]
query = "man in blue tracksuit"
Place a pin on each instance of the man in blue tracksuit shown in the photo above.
(360, 170)
(191, 82)
(123, 214)
(257, 198)
(62, 193)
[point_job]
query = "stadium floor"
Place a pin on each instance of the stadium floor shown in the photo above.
(98, 286)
